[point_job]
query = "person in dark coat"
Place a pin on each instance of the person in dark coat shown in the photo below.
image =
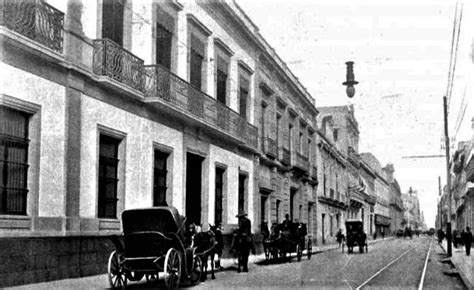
(244, 235)
(339, 237)
(467, 240)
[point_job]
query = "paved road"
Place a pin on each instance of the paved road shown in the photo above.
(326, 270)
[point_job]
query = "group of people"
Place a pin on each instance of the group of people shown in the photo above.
(242, 243)
(463, 238)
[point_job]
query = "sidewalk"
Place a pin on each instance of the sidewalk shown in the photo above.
(462, 263)
(229, 262)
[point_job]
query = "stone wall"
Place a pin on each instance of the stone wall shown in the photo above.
(30, 260)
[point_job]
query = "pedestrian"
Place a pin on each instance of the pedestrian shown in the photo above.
(467, 240)
(455, 239)
(339, 237)
(383, 233)
(245, 243)
(440, 236)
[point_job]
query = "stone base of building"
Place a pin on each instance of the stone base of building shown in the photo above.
(40, 259)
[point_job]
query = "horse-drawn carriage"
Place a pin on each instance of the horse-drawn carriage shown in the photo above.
(153, 247)
(355, 235)
(287, 238)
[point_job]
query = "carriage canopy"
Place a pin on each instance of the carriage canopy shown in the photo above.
(164, 219)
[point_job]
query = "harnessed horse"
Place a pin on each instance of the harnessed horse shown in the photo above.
(206, 247)
(241, 245)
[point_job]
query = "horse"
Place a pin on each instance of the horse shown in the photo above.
(205, 243)
(241, 246)
(216, 229)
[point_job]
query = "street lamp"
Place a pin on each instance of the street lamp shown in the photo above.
(350, 82)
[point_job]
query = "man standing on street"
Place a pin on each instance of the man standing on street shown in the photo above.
(467, 239)
(245, 241)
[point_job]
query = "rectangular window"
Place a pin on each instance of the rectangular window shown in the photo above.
(263, 208)
(335, 134)
(163, 46)
(219, 195)
(331, 225)
(290, 137)
(164, 38)
(310, 150)
(13, 161)
(310, 219)
(196, 60)
(278, 121)
(159, 178)
(300, 143)
(242, 181)
(108, 176)
(277, 211)
(112, 20)
(262, 125)
(222, 72)
(243, 95)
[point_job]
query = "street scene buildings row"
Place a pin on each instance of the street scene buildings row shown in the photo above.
(110, 105)
(460, 197)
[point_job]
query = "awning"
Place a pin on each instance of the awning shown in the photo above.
(381, 220)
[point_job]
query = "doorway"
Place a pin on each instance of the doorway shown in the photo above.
(193, 187)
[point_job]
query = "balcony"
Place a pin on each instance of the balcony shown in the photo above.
(285, 156)
(301, 162)
(35, 20)
(162, 84)
(113, 61)
(270, 147)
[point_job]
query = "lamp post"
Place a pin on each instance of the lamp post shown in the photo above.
(350, 81)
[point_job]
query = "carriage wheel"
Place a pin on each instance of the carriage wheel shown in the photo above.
(197, 270)
(172, 269)
(299, 252)
(310, 249)
(116, 272)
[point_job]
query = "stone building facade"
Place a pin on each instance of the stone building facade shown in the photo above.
(127, 104)
(395, 200)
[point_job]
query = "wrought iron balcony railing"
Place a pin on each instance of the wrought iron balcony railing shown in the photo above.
(34, 19)
(285, 156)
(114, 61)
(163, 84)
(302, 162)
(270, 147)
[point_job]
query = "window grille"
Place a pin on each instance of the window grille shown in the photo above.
(13, 161)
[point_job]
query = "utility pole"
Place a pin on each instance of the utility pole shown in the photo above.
(448, 177)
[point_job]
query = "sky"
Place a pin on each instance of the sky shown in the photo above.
(401, 50)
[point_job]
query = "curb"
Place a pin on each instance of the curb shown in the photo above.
(316, 250)
(461, 273)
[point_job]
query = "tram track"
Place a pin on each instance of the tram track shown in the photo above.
(393, 263)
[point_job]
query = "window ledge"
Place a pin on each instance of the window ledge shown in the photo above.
(109, 224)
(15, 222)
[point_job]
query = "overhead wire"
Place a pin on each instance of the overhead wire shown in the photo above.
(456, 54)
(451, 54)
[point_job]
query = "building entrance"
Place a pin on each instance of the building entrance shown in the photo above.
(193, 187)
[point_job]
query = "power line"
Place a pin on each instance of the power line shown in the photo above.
(451, 53)
(456, 52)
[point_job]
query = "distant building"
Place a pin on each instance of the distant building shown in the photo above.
(395, 200)
(412, 215)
